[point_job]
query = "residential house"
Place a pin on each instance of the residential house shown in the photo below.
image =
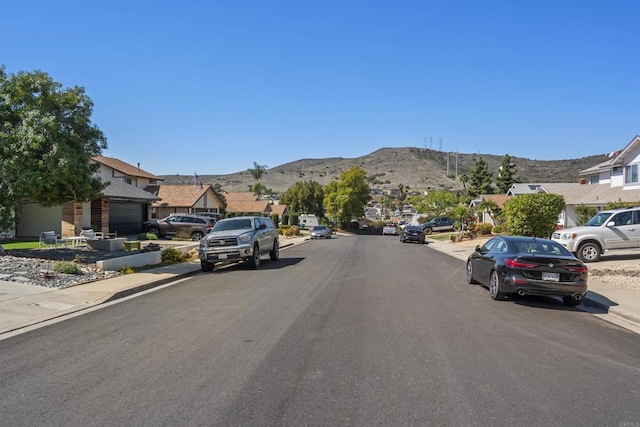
(184, 199)
(121, 209)
(246, 202)
(280, 210)
(616, 180)
(484, 215)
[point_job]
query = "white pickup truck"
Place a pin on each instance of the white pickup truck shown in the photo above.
(390, 229)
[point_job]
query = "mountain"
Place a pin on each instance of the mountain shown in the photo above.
(416, 168)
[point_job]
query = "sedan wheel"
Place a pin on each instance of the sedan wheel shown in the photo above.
(470, 279)
(196, 236)
(154, 230)
(494, 289)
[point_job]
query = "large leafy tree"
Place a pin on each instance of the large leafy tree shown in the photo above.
(305, 197)
(436, 203)
(533, 215)
(47, 140)
(507, 175)
(346, 198)
(479, 179)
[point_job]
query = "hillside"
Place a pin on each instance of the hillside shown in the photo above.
(415, 168)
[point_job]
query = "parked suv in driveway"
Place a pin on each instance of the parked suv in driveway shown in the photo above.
(179, 225)
(610, 229)
(441, 223)
(243, 238)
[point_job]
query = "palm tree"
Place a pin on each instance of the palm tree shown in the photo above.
(257, 172)
(488, 206)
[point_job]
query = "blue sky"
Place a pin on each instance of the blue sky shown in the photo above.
(213, 86)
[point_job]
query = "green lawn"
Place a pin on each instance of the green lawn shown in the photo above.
(19, 244)
(441, 237)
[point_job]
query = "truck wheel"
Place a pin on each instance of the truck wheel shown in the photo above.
(254, 261)
(154, 230)
(589, 252)
(428, 230)
(206, 265)
(274, 254)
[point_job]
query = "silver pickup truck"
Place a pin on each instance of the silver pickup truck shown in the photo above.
(239, 239)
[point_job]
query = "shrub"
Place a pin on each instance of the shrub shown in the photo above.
(172, 256)
(497, 229)
(285, 219)
(291, 231)
(146, 236)
(293, 219)
(483, 227)
(276, 219)
(127, 270)
(66, 267)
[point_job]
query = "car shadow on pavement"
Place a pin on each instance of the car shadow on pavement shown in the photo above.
(546, 302)
(265, 264)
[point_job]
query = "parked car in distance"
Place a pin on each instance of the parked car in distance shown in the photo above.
(187, 226)
(320, 232)
(610, 229)
(213, 215)
(527, 266)
(412, 233)
(441, 223)
(390, 229)
(243, 238)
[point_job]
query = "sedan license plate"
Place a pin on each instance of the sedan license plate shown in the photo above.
(552, 277)
(222, 256)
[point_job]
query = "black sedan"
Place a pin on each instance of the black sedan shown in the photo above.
(412, 233)
(528, 266)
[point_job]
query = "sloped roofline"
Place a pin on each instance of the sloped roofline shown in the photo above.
(125, 168)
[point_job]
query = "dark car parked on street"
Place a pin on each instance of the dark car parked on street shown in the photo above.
(187, 226)
(528, 266)
(412, 233)
(441, 223)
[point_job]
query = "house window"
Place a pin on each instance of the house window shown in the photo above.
(631, 174)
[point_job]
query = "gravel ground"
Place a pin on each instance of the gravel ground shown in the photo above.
(35, 266)
(39, 272)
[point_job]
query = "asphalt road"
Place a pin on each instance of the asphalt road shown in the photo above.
(349, 331)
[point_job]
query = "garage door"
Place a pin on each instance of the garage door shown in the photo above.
(126, 218)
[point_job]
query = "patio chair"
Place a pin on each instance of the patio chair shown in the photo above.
(91, 235)
(49, 238)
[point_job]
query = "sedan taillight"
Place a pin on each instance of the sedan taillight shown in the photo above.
(519, 264)
(578, 268)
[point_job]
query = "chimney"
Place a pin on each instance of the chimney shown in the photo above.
(138, 166)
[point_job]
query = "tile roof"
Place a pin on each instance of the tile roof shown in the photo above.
(240, 196)
(179, 195)
(118, 189)
(591, 194)
(125, 168)
(499, 199)
(278, 209)
(250, 206)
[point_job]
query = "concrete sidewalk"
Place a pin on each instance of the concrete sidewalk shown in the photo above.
(24, 306)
